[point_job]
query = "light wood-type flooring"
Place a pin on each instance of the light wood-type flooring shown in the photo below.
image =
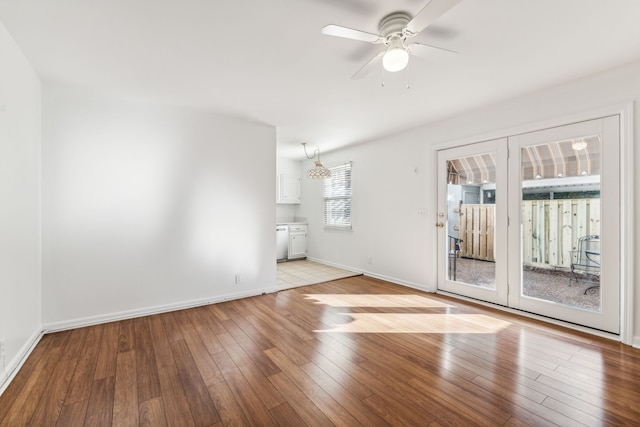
(356, 351)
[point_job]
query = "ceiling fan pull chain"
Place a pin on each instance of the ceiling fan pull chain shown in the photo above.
(382, 77)
(408, 86)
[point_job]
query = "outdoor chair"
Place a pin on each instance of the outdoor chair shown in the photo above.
(586, 259)
(454, 249)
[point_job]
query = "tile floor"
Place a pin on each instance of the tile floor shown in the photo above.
(292, 274)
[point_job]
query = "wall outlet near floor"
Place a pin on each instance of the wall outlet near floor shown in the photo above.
(369, 260)
(237, 279)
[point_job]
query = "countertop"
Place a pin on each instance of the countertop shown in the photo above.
(291, 221)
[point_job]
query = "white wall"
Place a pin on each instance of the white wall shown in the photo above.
(20, 319)
(389, 180)
(149, 208)
(387, 195)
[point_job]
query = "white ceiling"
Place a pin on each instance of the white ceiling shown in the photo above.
(266, 60)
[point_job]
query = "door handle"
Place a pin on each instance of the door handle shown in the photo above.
(440, 224)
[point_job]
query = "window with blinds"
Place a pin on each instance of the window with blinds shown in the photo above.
(337, 197)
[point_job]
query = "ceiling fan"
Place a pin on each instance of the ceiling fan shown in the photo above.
(395, 29)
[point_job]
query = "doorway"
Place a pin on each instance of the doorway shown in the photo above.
(531, 222)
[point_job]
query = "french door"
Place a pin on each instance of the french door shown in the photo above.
(532, 222)
(472, 221)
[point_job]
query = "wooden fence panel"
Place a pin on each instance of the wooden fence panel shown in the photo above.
(594, 217)
(477, 226)
(567, 232)
(551, 229)
(552, 235)
(557, 225)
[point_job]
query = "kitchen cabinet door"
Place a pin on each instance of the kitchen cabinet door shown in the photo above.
(288, 188)
(297, 245)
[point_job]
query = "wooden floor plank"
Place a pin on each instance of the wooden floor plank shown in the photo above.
(73, 414)
(202, 407)
(227, 406)
(278, 359)
(125, 400)
(176, 406)
(251, 345)
(100, 409)
(303, 406)
(286, 416)
(206, 366)
(161, 347)
(152, 413)
(343, 395)
(52, 401)
(251, 404)
(35, 387)
(82, 381)
(126, 336)
(24, 376)
(146, 367)
(106, 363)
(333, 410)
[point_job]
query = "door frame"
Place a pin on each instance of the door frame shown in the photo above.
(626, 112)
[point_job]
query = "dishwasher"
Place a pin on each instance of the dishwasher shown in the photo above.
(282, 242)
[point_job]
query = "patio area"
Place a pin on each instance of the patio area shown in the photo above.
(550, 285)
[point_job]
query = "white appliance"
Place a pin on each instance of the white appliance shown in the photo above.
(282, 242)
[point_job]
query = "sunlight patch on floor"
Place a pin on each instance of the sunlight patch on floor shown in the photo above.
(418, 323)
(376, 300)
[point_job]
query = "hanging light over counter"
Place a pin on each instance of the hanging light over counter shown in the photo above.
(319, 171)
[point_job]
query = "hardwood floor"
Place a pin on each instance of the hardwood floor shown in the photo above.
(357, 351)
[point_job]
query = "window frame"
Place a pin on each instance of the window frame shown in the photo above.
(344, 172)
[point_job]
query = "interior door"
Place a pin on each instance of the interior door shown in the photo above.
(472, 221)
(564, 240)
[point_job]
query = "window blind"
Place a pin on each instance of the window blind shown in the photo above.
(337, 197)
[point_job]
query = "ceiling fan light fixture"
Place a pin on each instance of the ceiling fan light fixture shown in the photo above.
(395, 59)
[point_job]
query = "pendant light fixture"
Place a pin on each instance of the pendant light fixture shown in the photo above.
(319, 171)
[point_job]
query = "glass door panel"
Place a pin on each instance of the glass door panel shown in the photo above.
(568, 242)
(469, 213)
(561, 221)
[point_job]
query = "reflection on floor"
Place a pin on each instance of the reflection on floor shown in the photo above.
(292, 274)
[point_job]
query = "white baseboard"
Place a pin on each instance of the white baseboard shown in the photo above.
(16, 363)
(333, 264)
(635, 342)
(374, 275)
(147, 311)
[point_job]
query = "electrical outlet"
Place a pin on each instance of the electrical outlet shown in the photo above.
(237, 279)
(369, 260)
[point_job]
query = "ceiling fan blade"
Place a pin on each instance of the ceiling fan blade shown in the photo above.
(348, 33)
(376, 61)
(432, 11)
(429, 52)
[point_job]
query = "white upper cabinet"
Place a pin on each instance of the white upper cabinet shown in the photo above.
(288, 186)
